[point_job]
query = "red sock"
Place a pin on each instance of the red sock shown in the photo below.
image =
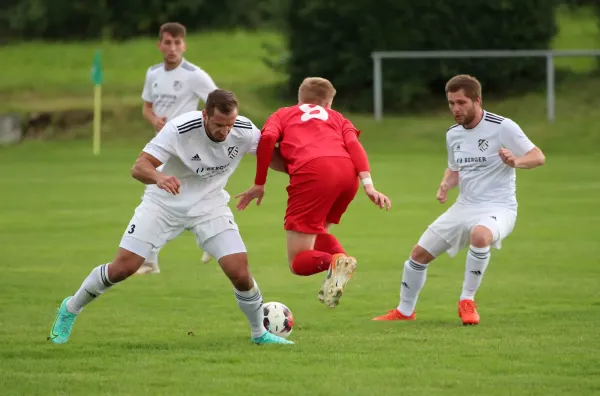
(310, 262)
(328, 243)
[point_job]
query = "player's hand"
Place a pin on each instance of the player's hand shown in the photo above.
(160, 123)
(442, 193)
(378, 198)
(508, 157)
(169, 184)
(255, 192)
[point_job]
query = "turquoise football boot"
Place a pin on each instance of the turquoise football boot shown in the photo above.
(269, 338)
(61, 329)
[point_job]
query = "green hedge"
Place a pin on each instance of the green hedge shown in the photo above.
(92, 19)
(334, 39)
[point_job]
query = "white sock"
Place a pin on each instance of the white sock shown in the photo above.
(250, 302)
(152, 259)
(94, 285)
(413, 279)
(477, 262)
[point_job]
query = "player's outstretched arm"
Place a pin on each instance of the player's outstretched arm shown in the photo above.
(375, 196)
(532, 159)
(517, 150)
(359, 158)
(449, 181)
(264, 157)
(145, 171)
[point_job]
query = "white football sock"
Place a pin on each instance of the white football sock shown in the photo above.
(413, 279)
(152, 259)
(94, 285)
(250, 302)
(477, 262)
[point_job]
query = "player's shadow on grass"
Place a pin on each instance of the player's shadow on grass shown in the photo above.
(419, 324)
(185, 344)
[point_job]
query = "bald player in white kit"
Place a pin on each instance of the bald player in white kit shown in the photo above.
(483, 151)
(172, 88)
(200, 150)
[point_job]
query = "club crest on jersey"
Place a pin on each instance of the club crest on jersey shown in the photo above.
(232, 151)
(483, 144)
(177, 85)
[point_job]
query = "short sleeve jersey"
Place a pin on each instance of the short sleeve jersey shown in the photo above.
(202, 165)
(484, 179)
(177, 91)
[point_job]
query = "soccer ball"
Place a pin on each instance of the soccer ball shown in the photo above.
(278, 319)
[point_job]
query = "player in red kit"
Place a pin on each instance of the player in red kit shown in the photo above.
(325, 161)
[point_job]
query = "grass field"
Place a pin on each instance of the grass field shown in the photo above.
(539, 301)
(63, 212)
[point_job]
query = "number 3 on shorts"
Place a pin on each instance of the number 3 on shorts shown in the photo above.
(313, 111)
(131, 229)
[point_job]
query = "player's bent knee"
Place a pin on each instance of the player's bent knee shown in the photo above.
(125, 264)
(430, 245)
(243, 283)
(298, 242)
(420, 255)
(481, 236)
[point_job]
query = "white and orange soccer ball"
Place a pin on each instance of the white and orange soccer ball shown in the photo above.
(278, 319)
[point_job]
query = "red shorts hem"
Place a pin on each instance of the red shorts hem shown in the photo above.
(303, 228)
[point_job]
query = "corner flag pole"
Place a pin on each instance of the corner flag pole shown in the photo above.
(97, 78)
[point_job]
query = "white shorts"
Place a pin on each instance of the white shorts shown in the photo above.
(451, 232)
(152, 226)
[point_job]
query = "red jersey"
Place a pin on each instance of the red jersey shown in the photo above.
(305, 132)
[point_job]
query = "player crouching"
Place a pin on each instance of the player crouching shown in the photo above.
(195, 155)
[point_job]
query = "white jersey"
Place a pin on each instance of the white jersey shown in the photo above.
(484, 180)
(202, 165)
(177, 91)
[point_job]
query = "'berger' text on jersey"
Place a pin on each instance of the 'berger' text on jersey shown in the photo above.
(484, 179)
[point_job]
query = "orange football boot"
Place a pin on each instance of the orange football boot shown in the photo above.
(467, 312)
(394, 314)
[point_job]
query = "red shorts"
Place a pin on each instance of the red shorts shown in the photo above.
(320, 192)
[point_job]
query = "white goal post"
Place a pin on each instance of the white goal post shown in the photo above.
(378, 56)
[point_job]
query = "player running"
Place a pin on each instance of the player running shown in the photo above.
(199, 150)
(483, 151)
(324, 159)
(172, 88)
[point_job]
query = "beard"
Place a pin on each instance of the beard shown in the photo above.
(468, 117)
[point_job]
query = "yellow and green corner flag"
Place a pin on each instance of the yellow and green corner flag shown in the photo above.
(97, 79)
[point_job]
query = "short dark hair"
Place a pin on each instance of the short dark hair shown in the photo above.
(469, 84)
(175, 29)
(222, 100)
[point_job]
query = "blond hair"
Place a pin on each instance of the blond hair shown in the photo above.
(469, 84)
(316, 90)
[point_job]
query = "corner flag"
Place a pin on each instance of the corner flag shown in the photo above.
(97, 78)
